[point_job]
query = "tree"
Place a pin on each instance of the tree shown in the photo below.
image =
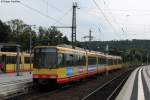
(51, 36)
(20, 33)
(4, 32)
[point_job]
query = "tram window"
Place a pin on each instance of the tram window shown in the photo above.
(45, 60)
(0, 59)
(119, 61)
(27, 60)
(11, 59)
(114, 61)
(61, 60)
(69, 60)
(3, 58)
(99, 60)
(81, 60)
(110, 61)
(75, 60)
(91, 60)
(104, 60)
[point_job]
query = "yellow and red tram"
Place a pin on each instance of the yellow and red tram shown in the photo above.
(8, 62)
(62, 65)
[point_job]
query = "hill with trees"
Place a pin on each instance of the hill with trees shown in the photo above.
(136, 51)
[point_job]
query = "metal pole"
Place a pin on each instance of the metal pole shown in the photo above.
(74, 25)
(107, 52)
(30, 50)
(18, 60)
(90, 39)
(147, 58)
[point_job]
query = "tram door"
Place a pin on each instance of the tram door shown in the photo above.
(3, 63)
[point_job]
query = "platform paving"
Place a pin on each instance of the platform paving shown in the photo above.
(11, 84)
(137, 86)
(8, 77)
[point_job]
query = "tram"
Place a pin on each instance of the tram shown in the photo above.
(8, 62)
(60, 65)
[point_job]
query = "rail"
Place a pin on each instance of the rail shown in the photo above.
(108, 90)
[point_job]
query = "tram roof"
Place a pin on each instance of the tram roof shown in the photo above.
(14, 53)
(81, 50)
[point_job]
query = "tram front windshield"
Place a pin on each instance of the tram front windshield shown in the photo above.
(45, 58)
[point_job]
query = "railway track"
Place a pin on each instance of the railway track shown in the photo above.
(110, 89)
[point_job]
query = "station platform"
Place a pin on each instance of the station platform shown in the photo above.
(11, 84)
(9, 77)
(137, 86)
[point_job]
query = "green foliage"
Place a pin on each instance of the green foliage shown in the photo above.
(16, 31)
(50, 36)
(4, 32)
(20, 33)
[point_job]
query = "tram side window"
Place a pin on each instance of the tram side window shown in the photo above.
(69, 60)
(114, 61)
(101, 60)
(11, 59)
(91, 60)
(81, 60)
(104, 60)
(0, 59)
(61, 60)
(27, 60)
(75, 60)
(110, 61)
(119, 61)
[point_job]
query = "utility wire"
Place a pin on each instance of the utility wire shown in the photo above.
(113, 16)
(50, 5)
(41, 13)
(105, 16)
(65, 14)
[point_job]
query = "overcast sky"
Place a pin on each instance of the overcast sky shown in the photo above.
(108, 19)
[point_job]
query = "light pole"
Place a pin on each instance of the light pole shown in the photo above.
(18, 60)
(147, 58)
(30, 50)
(30, 47)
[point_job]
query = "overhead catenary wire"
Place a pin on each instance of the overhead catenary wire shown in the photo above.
(114, 19)
(50, 5)
(99, 8)
(65, 14)
(41, 13)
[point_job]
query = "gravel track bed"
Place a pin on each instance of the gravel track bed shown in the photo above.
(105, 92)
